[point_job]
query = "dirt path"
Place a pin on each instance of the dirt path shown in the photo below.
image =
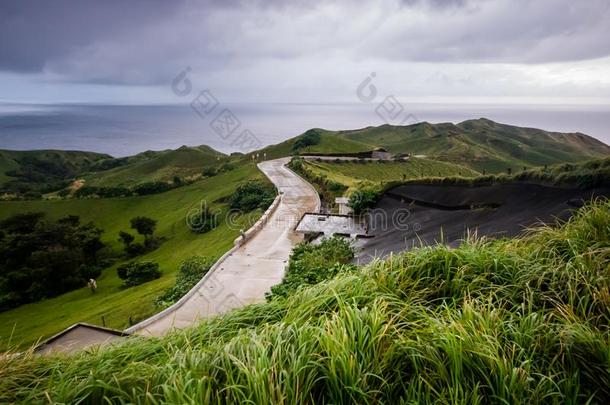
(244, 275)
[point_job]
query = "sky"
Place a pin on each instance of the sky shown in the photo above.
(454, 51)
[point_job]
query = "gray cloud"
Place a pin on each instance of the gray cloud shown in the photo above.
(426, 46)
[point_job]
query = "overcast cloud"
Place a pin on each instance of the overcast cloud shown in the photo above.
(306, 51)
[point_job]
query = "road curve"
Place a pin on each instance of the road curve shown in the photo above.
(246, 273)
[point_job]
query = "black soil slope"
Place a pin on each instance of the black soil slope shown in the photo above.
(409, 216)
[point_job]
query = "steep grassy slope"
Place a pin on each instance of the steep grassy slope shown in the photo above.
(509, 321)
(483, 144)
(153, 166)
(30, 322)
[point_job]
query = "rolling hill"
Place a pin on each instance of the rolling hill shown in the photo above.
(30, 173)
(482, 144)
(153, 166)
(43, 170)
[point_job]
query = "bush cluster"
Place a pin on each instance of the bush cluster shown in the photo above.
(191, 271)
(310, 264)
(309, 138)
(136, 273)
(252, 195)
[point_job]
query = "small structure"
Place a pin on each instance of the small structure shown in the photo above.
(79, 336)
(381, 154)
(342, 202)
(313, 224)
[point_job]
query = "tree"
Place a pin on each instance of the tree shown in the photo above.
(138, 273)
(126, 238)
(90, 238)
(362, 200)
(144, 226)
(41, 259)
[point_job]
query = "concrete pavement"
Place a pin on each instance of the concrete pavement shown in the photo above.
(247, 272)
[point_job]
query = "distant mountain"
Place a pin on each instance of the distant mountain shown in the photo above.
(482, 144)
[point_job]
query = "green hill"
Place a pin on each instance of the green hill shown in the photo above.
(508, 321)
(482, 144)
(328, 143)
(148, 166)
(42, 170)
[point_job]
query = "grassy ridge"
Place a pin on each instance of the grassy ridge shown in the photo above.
(156, 166)
(482, 144)
(506, 321)
(29, 322)
(328, 143)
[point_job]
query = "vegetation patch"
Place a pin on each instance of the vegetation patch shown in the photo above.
(312, 263)
(507, 321)
(191, 271)
(252, 195)
(589, 174)
(42, 259)
(135, 273)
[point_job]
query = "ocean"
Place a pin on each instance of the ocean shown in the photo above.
(127, 130)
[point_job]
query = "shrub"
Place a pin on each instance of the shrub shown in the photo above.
(152, 187)
(209, 171)
(134, 273)
(226, 167)
(190, 272)
(310, 264)
(309, 138)
(363, 199)
(251, 195)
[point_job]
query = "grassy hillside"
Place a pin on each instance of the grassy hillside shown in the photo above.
(41, 170)
(328, 143)
(351, 173)
(483, 144)
(153, 166)
(508, 321)
(587, 174)
(32, 321)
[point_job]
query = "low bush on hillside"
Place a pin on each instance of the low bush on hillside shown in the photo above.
(209, 171)
(310, 264)
(42, 259)
(252, 195)
(151, 187)
(135, 273)
(190, 272)
(363, 199)
(309, 138)
(493, 321)
(102, 192)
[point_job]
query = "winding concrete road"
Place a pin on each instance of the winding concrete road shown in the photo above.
(247, 272)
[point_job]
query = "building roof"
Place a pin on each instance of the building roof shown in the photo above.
(98, 331)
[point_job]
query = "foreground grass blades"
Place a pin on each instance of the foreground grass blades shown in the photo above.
(508, 321)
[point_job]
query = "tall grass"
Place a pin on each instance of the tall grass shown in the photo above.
(504, 321)
(583, 175)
